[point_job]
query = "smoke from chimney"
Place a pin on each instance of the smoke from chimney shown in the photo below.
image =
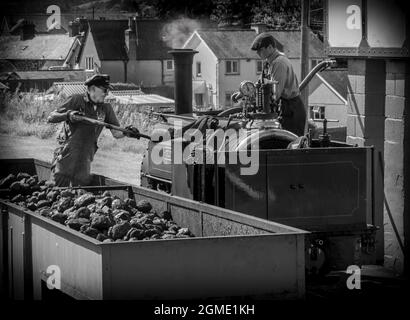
(176, 32)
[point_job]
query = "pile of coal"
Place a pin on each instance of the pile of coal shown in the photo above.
(103, 217)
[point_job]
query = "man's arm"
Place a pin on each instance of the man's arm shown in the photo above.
(57, 116)
(279, 73)
(61, 113)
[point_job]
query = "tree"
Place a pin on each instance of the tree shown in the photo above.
(231, 11)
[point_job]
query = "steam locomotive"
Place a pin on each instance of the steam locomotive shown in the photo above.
(319, 185)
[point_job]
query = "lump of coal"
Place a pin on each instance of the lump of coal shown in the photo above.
(42, 195)
(43, 203)
(119, 231)
(117, 204)
(135, 223)
(106, 201)
(84, 200)
(83, 212)
(59, 217)
(130, 203)
(64, 204)
(32, 206)
(7, 181)
(101, 237)
(144, 206)
(67, 193)
(165, 215)
(135, 233)
(80, 192)
(106, 194)
(45, 212)
(76, 223)
(52, 195)
(15, 186)
(102, 222)
(23, 175)
(121, 215)
(91, 232)
(17, 198)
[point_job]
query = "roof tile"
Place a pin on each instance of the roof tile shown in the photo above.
(41, 47)
(235, 44)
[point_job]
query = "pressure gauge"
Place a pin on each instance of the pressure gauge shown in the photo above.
(247, 88)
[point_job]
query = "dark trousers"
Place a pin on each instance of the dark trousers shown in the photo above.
(293, 115)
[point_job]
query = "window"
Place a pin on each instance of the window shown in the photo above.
(89, 63)
(199, 99)
(317, 112)
(198, 69)
(169, 64)
(259, 66)
(228, 101)
(232, 67)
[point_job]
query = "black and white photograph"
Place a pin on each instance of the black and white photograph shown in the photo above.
(204, 157)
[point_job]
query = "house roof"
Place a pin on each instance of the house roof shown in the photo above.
(221, 43)
(135, 97)
(109, 39)
(77, 87)
(229, 44)
(290, 40)
(335, 80)
(41, 47)
(68, 75)
(151, 100)
(68, 88)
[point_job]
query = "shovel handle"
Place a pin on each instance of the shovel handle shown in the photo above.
(107, 125)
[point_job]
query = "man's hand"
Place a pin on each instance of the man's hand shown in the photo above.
(133, 132)
(72, 116)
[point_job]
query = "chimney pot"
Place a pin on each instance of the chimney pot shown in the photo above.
(74, 28)
(183, 59)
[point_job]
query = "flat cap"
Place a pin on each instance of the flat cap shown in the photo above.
(262, 41)
(99, 80)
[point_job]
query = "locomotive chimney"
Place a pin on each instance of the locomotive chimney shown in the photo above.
(183, 59)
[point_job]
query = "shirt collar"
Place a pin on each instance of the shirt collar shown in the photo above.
(273, 56)
(87, 99)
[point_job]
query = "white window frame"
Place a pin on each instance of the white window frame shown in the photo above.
(231, 63)
(318, 112)
(166, 65)
(89, 62)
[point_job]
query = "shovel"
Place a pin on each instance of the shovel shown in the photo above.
(107, 125)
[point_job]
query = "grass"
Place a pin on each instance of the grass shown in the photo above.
(24, 114)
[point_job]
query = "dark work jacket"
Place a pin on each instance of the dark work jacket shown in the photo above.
(78, 141)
